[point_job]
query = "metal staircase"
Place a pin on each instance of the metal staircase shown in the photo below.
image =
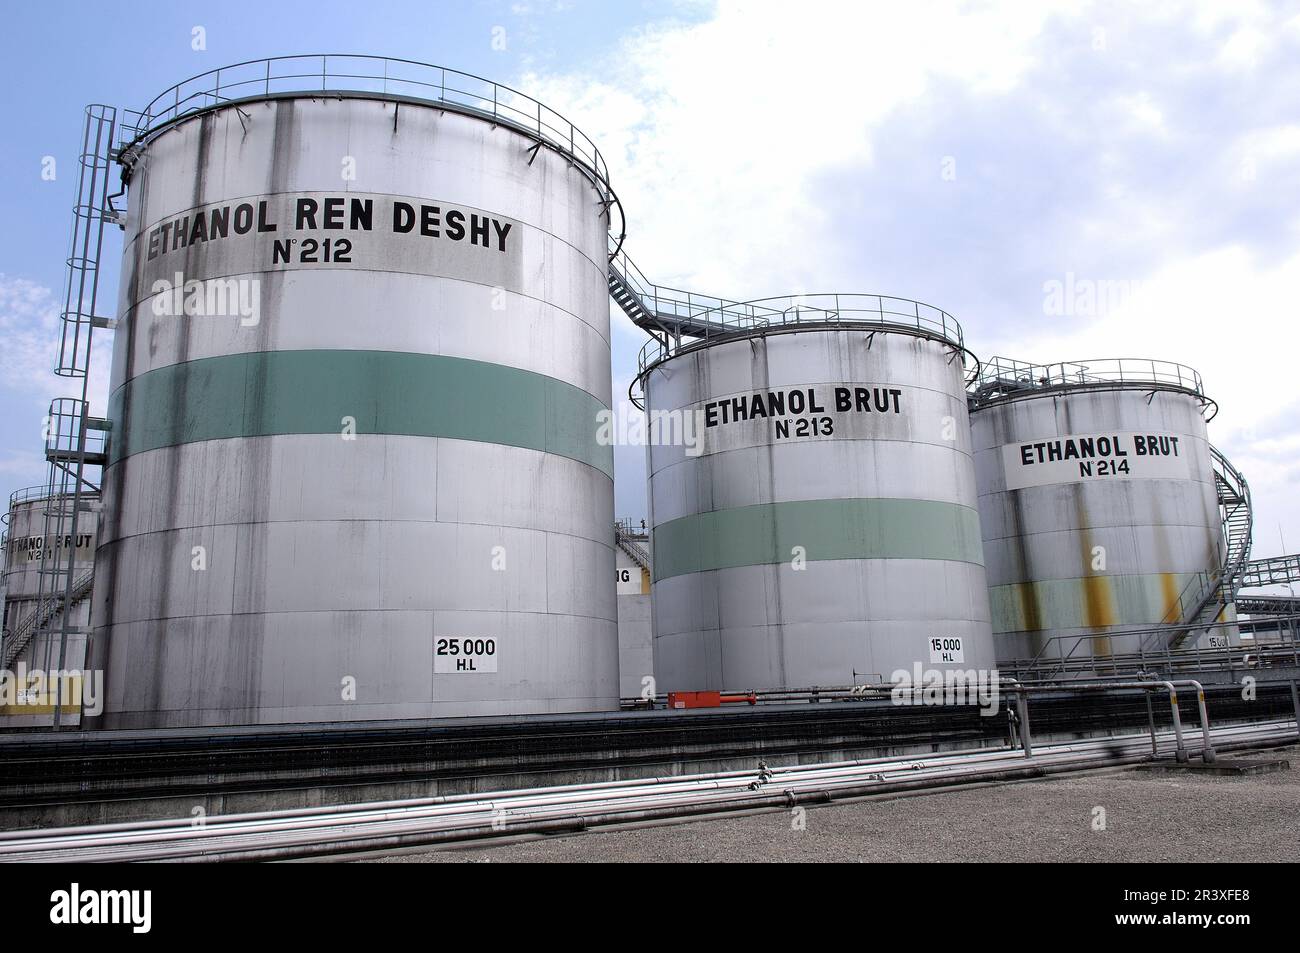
(631, 545)
(671, 313)
(17, 638)
(1208, 594)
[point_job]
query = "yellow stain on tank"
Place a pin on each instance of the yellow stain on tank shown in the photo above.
(1169, 595)
(1030, 611)
(1098, 601)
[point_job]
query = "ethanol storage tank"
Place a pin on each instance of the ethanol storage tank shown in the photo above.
(818, 526)
(1097, 501)
(34, 553)
(353, 471)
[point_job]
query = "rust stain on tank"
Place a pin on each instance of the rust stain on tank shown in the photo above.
(1030, 608)
(1169, 597)
(1098, 602)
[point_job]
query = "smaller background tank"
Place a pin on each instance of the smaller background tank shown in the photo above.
(30, 604)
(815, 525)
(635, 642)
(1103, 507)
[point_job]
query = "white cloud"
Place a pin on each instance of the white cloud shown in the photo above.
(1232, 318)
(776, 148)
(23, 468)
(29, 319)
(30, 329)
(716, 133)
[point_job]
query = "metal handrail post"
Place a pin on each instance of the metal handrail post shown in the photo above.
(1180, 749)
(1022, 712)
(1207, 752)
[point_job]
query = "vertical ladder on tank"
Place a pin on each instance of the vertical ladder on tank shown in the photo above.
(74, 440)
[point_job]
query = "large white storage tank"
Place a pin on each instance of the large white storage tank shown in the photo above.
(1097, 500)
(821, 529)
(369, 485)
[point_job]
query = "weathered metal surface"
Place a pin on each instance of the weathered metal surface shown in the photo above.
(829, 555)
(1094, 551)
(32, 611)
(397, 449)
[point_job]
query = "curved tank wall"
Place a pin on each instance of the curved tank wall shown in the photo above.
(357, 476)
(1098, 507)
(822, 529)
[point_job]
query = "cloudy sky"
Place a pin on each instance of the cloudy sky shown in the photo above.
(965, 154)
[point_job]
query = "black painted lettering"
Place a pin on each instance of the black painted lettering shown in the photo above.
(455, 229)
(478, 230)
(263, 223)
(333, 218)
(305, 216)
(363, 214)
(219, 227)
(403, 217)
(502, 231)
(430, 219)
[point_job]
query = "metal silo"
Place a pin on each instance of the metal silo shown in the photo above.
(818, 526)
(36, 539)
(353, 470)
(1098, 504)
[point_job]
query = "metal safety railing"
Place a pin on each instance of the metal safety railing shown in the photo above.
(1003, 377)
(346, 73)
(1079, 655)
(28, 494)
(1267, 605)
(1271, 571)
(791, 312)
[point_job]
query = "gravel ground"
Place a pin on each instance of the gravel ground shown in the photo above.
(1150, 816)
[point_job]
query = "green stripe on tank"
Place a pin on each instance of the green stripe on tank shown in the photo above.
(1086, 602)
(767, 533)
(387, 392)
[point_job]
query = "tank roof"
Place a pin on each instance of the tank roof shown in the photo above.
(732, 320)
(378, 77)
(1003, 378)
